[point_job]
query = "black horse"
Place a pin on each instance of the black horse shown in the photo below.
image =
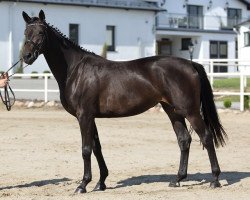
(93, 87)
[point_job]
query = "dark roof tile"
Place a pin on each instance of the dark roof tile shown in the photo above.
(121, 4)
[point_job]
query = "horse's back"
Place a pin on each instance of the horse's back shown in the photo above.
(131, 87)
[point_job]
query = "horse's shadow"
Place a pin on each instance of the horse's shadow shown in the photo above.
(230, 177)
(37, 183)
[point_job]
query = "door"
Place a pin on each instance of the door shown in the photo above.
(164, 48)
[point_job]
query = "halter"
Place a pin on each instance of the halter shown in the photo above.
(37, 47)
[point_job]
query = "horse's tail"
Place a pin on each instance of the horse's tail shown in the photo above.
(208, 108)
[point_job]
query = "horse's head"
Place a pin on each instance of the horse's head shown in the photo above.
(35, 37)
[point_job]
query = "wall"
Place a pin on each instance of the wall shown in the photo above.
(243, 51)
(134, 29)
(4, 36)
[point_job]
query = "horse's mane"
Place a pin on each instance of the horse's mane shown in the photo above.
(64, 37)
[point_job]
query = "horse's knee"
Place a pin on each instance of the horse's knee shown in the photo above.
(200, 128)
(86, 152)
(184, 142)
(207, 139)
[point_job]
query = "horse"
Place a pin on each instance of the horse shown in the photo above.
(93, 87)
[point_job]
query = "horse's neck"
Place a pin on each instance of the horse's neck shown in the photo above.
(60, 59)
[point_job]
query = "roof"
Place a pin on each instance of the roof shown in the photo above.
(120, 4)
(247, 3)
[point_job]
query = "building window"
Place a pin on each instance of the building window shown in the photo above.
(233, 17)
(195, 16)
(110, 38)
(247, 39)
(74, 32)
(219, 49)
(185, 43)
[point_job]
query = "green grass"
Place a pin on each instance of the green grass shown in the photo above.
(233, 98)
(232, 84)
(229, 84)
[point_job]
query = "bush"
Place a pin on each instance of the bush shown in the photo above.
(34, 77)
(246, 102)
(47, 72)
(19, 70)
(227, 103)
(104, 50)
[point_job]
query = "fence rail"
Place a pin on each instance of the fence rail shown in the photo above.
(185, 21)
(45, 89)
(210, 63)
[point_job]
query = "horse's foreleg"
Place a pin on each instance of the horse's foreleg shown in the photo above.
(97, 149)
(206, 138)
(184, 140)
(86, 125)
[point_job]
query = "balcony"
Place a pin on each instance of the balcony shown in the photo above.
(184, 21)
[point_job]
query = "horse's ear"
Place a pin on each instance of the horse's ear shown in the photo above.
(26, 17)
(41, 15)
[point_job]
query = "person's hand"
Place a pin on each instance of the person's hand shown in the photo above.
(3, 80)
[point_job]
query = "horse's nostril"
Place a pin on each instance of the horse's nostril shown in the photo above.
(27, 56)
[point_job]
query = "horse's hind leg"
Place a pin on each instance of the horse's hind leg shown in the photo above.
(101, 162)
(206, 138)
(184, 140)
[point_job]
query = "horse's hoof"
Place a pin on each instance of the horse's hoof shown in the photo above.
(100, 187)
(80, 190)
(215, 184)
(174, 184)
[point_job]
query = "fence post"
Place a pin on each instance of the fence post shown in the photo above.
(45, 88)
(245, 81)
(241, 91)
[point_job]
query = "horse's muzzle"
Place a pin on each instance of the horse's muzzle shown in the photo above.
(29, 58)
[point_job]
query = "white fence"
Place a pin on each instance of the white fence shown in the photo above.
(240, 68)
(241, 93)
(44, 90)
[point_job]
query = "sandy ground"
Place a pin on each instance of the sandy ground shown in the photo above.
(40, 153)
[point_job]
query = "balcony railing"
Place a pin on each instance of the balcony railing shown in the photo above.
(180, 21)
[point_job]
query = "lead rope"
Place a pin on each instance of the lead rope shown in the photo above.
(6, 98)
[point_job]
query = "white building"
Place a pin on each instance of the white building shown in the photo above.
(207, 23)
(243, 32)
(127, 27)
(131, 28)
